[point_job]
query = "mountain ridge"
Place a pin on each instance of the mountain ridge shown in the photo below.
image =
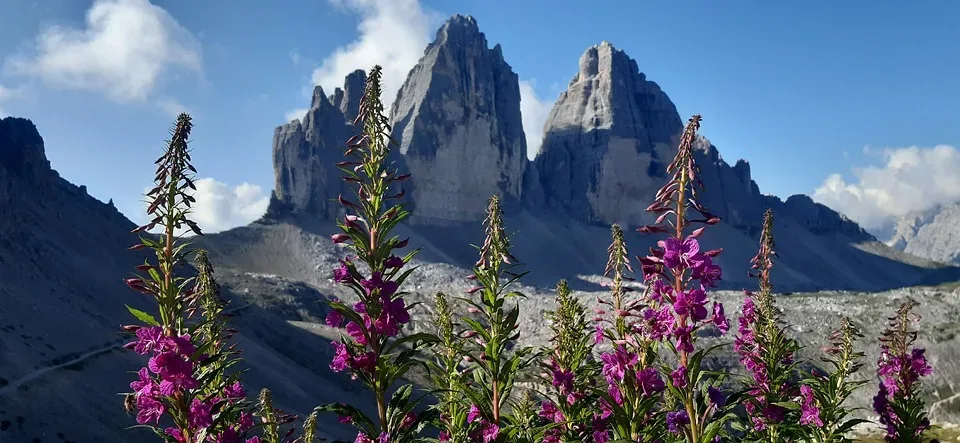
(606, 144)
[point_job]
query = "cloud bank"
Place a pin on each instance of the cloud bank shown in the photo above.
(123, 52)
(220, 207)
(909, 179)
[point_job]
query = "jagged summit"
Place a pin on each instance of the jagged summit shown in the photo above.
(348, 98)
(458, 125)
(304, 154)
(607, 140)
(21, 148)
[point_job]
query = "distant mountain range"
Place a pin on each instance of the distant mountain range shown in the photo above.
(933, 234)
(63, 254)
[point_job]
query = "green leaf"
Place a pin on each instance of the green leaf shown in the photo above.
(143, 316)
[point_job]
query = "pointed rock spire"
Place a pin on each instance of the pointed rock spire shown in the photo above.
(607, 140)
(457, 121)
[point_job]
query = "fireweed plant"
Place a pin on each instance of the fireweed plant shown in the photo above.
(678, 275)
(186, 378)
(900, 366)
(493, 358)
(628, 408)
(831, 390)
(372, 351)
(768, 354)
(571, 374)
(447, 376)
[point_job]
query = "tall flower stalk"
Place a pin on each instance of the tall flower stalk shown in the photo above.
(634, 328)
(679, 275)
(830, 391)
(373, 351)
(186, 378)
(768, 354)
(572, 374)
(448, 377)
(495, 361)
(898, 401)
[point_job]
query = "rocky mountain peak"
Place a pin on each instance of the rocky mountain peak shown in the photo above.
(933, 233)
(348, 98)
(304, 156)
(457, 121)
(607, 140)
(21, 149)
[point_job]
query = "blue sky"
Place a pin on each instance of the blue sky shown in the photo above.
(846, 101)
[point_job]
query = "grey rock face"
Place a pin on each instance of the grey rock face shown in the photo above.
(607, 140)
(457, 121)
(932, 234)
(305, 154)
(348, 98)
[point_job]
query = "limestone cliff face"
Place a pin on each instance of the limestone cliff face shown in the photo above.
(933, 234)
(457, 122)
(607, 140)
(305, 154)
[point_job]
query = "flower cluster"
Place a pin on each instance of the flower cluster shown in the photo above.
(493, 357)
(678, 275)
(898, 401)
(186, 378)
(768, 354)
(572, 375)
(373, 324)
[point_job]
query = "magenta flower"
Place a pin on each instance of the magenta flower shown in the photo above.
(175, 371)
(342, 273)
(684, 339)
(719, 319)
(175, 433)
(676, 253)
(356, 332)
(679, 377)
(145, 386)
(809, 413)
(676, 420)
(366, 362)
(649, 381)
(562, 379)
(490, 432)
(616, 364)
(691, 303)
(148, 340)
(473, 414)
(149, 410)
(393, 315)
(200, 416)
(341, 357)
(234, 391)
(393, 262)
(408, 420)
(716, 397)
(334, 319)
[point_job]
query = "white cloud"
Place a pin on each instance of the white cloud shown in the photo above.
(294, 57)
(910, 179)
(124, 51)
(220, 207)
(172, 107)
(391, 33)
(296, 114)
(534, 112)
